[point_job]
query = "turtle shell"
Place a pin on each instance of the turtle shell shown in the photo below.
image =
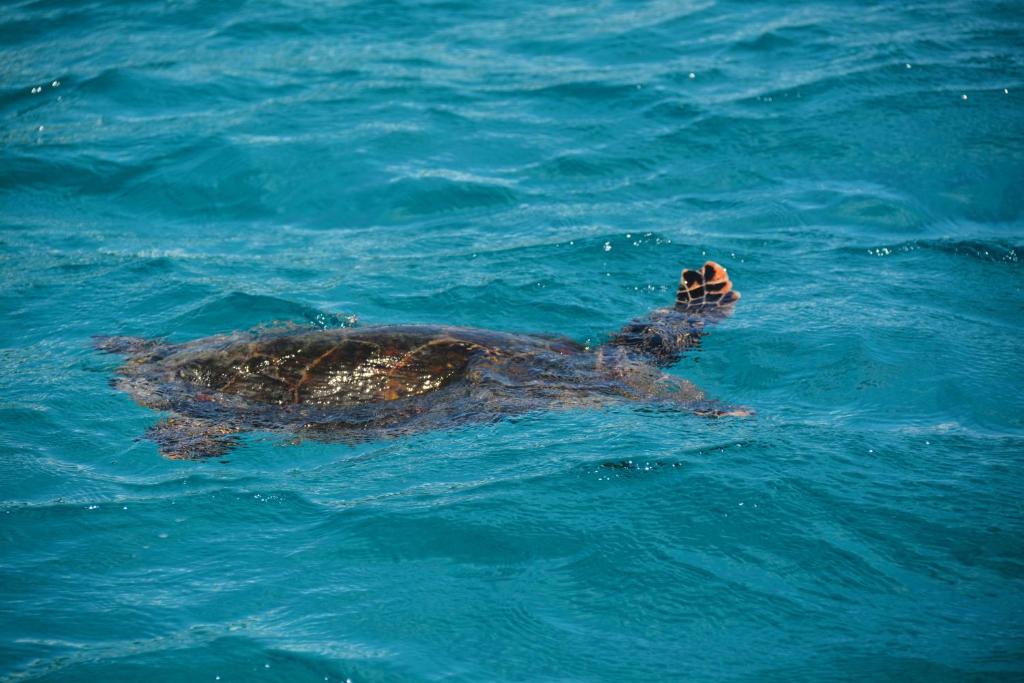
(340, 368)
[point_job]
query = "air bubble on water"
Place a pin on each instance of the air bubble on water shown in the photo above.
(693, 75)
(871, 450)
(40, 128)
(607, 246)
(908, 66)
(37, 89)
(162, 534)
(266, 666)
(964, 96)
(92, 507)
(629, 236)
(55, 84)
(125, 507)
(1006, 91)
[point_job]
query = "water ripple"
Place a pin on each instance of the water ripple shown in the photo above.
(186, 169)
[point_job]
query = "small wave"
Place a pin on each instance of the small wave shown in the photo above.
(782, 36)
(255, 29)
(429, 195)
(993, 252)
(461, 177)
(588, 91)
(239, 310)
(674, 109)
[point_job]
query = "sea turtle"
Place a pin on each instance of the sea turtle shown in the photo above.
(364, 383)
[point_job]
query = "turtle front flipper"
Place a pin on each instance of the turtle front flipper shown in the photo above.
(718, 409)
(186, 438)
(684, 395)
(706, 292)
(704, 296)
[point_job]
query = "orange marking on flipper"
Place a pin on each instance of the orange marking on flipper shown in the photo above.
(716, 279)
(709, 287)
(714, 272)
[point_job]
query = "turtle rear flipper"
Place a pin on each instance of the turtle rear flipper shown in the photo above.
(126, 346)
(706, 292)
(183, 438)
(712, 408)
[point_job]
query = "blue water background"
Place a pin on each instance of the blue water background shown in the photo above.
(185, 168)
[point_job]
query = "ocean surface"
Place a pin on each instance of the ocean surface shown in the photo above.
(181, 169)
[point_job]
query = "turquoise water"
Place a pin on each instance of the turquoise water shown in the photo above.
(185, 169)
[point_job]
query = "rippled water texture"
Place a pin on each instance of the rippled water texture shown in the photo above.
(185, 168)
